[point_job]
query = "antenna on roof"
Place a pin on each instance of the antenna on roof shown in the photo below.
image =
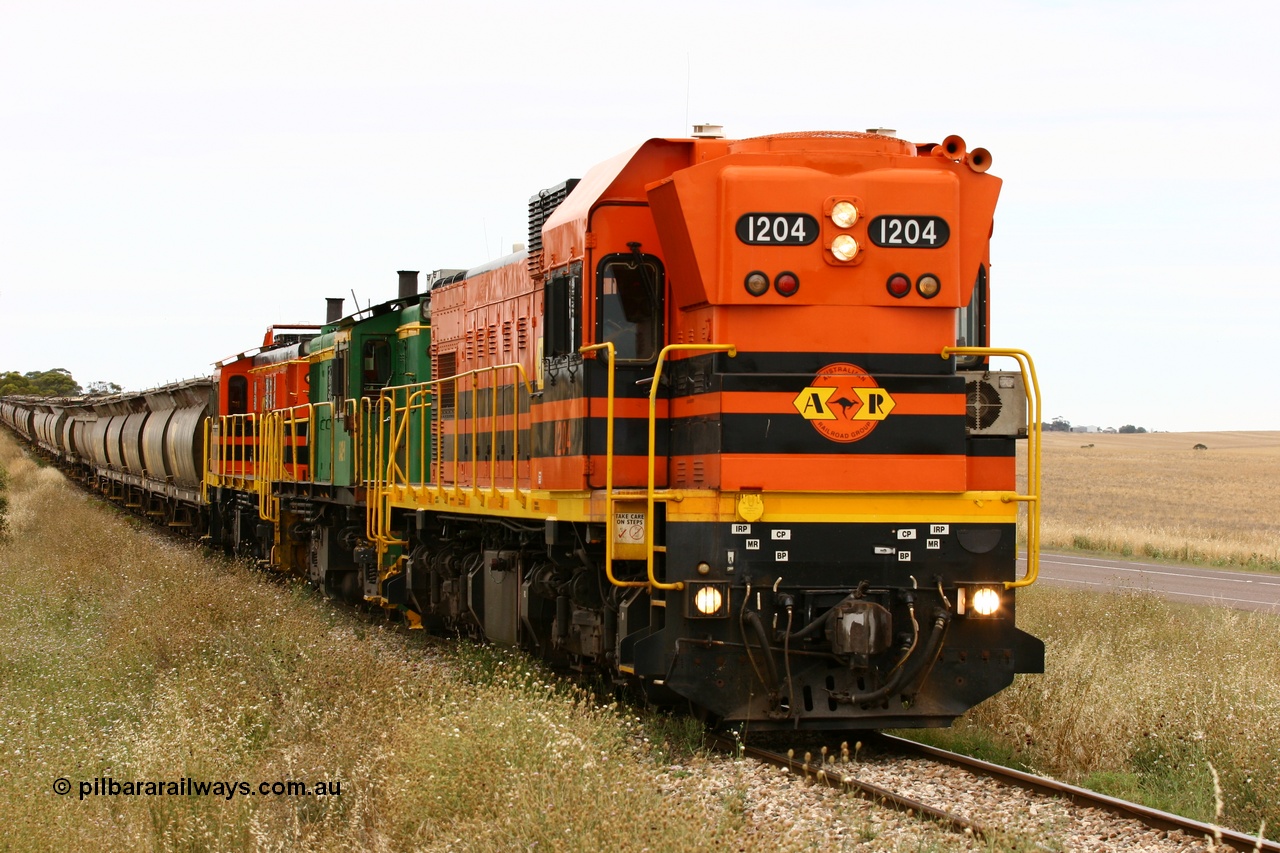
(688, 82)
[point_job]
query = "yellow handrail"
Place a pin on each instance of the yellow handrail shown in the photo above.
(385, 471)
(266, 461)
(1032, 498)
(204, 474)
(609, 348)
(732, 350)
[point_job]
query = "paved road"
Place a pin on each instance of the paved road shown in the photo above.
(1241, 590)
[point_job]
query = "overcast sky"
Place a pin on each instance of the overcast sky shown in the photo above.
(175, 176)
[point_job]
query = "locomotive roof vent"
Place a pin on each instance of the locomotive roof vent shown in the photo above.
(439, 278)
(541, 206)
(883, 131)
(708, 131)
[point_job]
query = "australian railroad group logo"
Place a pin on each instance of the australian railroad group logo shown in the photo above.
(843, 402)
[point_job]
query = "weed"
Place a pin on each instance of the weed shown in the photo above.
(4, 503)
(675, 737)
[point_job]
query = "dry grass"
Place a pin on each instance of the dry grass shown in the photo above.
(126, 655)
(1153, 495)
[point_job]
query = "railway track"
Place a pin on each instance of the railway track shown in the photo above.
(837, 769)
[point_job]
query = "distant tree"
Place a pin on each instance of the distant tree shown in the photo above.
(1060, 424)
(57, 382)
(1129, 429)
(1142, 429)
(14, 382)
(101, 387)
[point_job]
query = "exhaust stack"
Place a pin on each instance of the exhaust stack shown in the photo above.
(333, 309)
(408, 283)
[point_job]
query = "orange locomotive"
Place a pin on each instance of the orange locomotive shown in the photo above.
(726, 432)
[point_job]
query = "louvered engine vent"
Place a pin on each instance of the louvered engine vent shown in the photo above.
(541, 206)
(983, 405)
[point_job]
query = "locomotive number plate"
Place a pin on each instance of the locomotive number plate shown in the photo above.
(909, 232)
(777, 229)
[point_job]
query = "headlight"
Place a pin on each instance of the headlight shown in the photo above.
(844, 247)
(986, 601)
(708, 600)
(844, 214)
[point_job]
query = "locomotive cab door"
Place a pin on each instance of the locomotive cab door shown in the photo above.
(629, 314)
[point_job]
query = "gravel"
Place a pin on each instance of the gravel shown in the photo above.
(819, 817)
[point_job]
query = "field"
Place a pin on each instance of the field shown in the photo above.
(125, 656)
(1153, 496)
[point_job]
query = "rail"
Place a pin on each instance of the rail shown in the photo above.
(821, 770)
(1162, 820)
(1032, 497)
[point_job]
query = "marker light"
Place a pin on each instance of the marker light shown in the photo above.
(899, 285)
(844, 214)
(985, 601)
(786, 283)
(928, 285)
(708, 600)
(757, 283)
(844, 247)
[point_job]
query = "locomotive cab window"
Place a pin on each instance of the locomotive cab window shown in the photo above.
(629, 305)
(376, 357)
(561, 298)
(237, 395)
